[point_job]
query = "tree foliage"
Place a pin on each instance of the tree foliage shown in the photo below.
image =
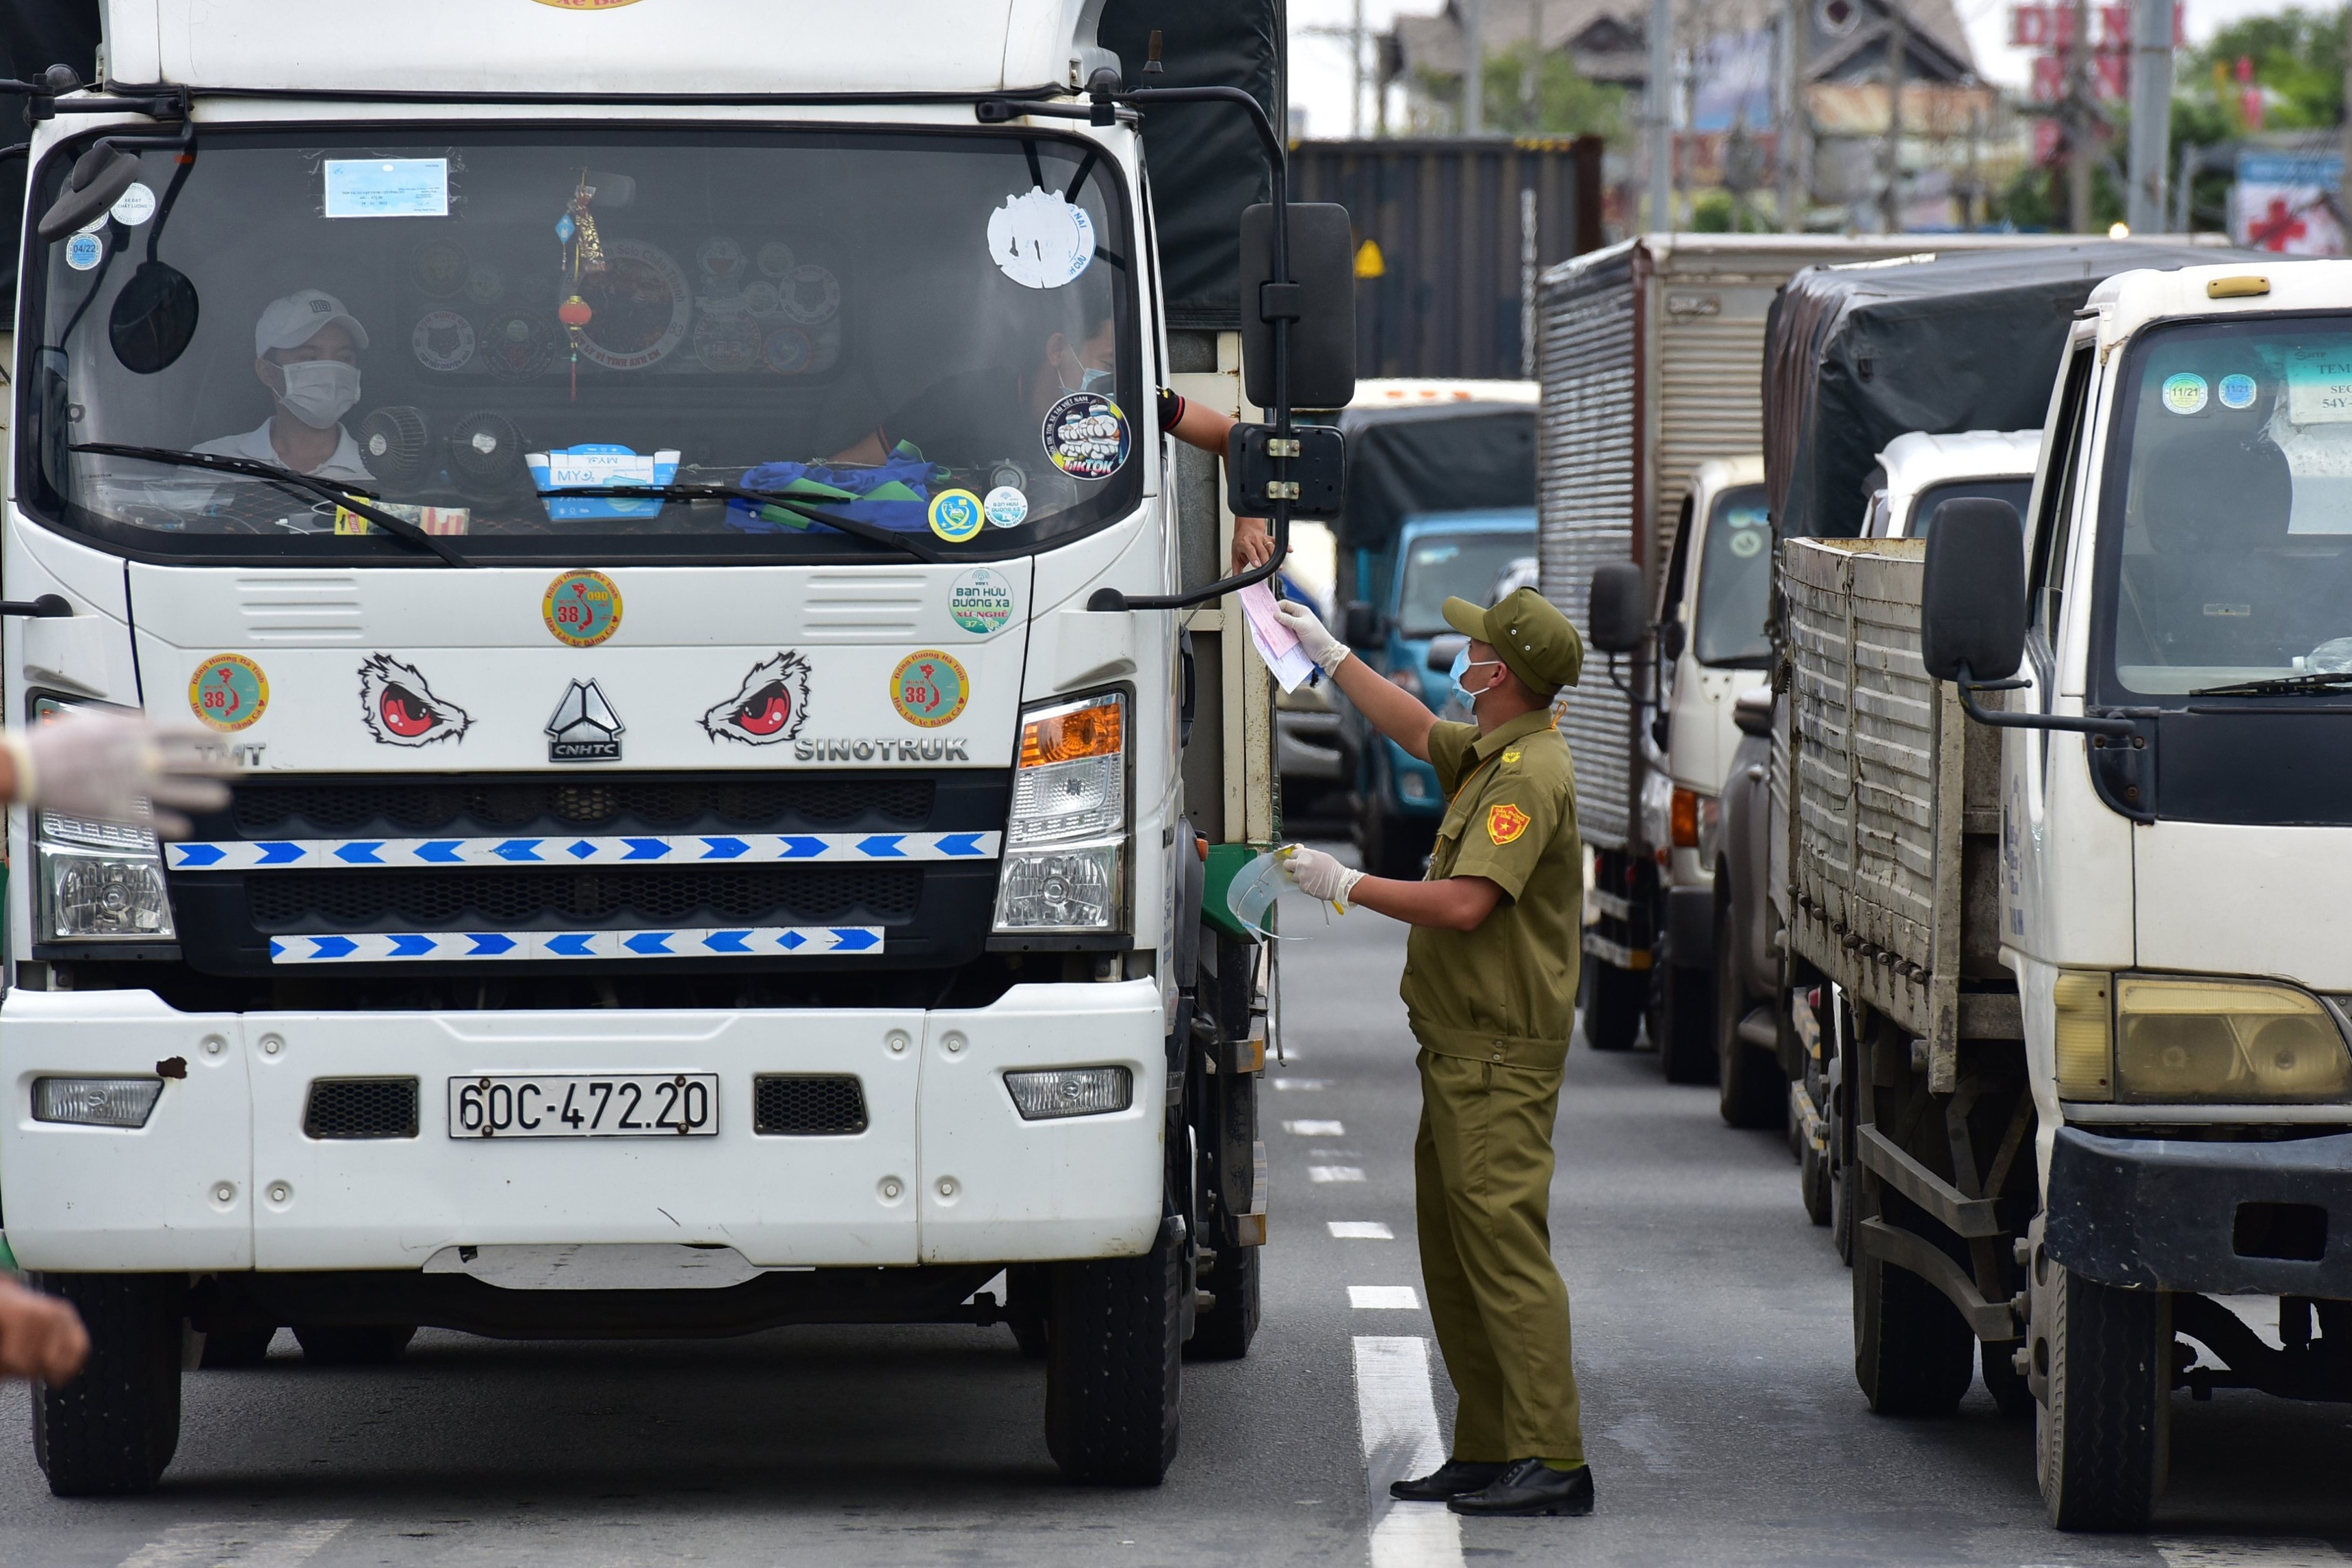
(1567, 103)
(2298, 60)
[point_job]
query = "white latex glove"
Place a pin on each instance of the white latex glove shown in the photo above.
(1313, 636)
(115, 768)
(1319, 875)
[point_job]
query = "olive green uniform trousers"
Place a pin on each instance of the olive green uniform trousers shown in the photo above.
(1482, 1176)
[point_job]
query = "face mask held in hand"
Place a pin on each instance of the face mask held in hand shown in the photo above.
(319, 392)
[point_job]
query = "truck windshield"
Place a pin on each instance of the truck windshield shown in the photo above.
(1735, 581)
(933, 333)
(2226, 524)
(1452, 566)
(2017, 492)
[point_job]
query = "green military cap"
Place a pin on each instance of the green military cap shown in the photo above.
(1534, 640)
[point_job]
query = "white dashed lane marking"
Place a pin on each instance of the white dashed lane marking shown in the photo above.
(250, 1545)
(1397, 1417)
(1361, 1230)
(2227, 1552)
(1335, 1173)
(1384, 1297)
(1316, 1129)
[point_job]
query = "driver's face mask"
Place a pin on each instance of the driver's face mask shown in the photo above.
(1096, 381)
(318, 393)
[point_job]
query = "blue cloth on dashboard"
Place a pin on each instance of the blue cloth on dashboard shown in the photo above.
(906, 477)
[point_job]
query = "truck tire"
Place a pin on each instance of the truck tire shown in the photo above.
(1913, 1353)
(1224, 1331)
(1754, 1093)
(1113, 1365)
(1686, 1024)
(229, 1348)
(352, 1344)
(112, 1430)
(1613, 1005)
(2104, 1434)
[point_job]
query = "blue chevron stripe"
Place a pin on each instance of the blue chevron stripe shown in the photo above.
(461, 946)
(740, 849)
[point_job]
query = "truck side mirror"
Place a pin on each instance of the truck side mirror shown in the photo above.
(1751, 711)
(1613, 615)
(1360, 624)
(1671, 635)
(1319, 302)
(99, 176)
(1972, 601)
(1442, 650)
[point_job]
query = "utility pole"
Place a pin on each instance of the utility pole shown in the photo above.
(1355, 74)
(1474, 68)
(1890, 150)
(1789, 143)
(1532, 72)
(1658, 100)
(2151, 112)
(2079, 116)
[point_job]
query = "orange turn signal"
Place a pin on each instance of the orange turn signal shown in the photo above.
(1686, 818)
(1091, 730)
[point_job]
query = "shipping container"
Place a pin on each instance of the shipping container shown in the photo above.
(1451, 236)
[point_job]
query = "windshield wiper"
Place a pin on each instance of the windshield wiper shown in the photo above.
(874, 532)
(2283, 685)
(356, 502)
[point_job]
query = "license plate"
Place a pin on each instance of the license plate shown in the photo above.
(600, 1105)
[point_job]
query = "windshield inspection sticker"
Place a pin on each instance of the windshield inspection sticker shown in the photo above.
(2185, 393)
(930, 688)
(956, 516)
(400, 709)
(84, 251)
(1086, 436)
(387, 188)
(1006, 506)
(770, 707)
(134, 206)
(1041, 241)
(981, 602)
(229, 692)
(2236, 392)
(581, 608)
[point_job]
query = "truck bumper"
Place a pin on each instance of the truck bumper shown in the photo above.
(2272, 1219)
(223, 1176)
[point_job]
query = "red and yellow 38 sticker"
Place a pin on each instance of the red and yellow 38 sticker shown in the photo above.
(1505, 823)
(930, 688)
(581, 608)
(228, 692)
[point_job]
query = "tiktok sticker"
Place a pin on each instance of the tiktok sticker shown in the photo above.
(229, 692)
(581, 608)
(1086, 435)
(930, 688)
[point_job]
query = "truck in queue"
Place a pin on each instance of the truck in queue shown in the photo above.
(677, 547)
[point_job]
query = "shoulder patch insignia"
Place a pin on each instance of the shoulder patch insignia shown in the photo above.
(1512, 755)
(1505, 823)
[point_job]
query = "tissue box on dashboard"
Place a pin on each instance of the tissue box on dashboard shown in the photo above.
(596, 466)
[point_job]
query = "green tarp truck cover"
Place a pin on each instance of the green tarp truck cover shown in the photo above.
(1857, 355)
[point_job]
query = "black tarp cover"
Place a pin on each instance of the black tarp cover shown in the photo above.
(1451, 457)
(1205, 161)
(1855, 356)
(35, 34)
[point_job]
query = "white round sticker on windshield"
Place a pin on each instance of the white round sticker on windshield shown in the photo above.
(134, 206)
(1041, 241)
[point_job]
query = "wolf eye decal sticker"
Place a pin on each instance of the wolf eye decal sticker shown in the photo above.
(770, 707)
(400, 707)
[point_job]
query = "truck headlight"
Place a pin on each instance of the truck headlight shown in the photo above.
(2232, 1041)
(100, 881)
(1071, 1091)
(96, 1102)
(1066, 844)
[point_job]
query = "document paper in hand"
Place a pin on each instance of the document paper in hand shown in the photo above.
(1274, 641)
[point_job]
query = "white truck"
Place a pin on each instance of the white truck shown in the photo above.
(666, 517)
(2077, 885)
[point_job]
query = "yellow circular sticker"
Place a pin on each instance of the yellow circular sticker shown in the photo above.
(956, 516)
(228, 692)
(581, 608)
(928, 688)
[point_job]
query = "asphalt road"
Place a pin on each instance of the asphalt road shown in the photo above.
(1711, 1341)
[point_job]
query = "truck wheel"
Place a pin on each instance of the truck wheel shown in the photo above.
(1224, 1331)
(1027, 1288)
(2010, 1394)
(1686, 1021)
(2104, 1432)
(1746, 1076)
(1114, 1361)
(225, 1348)
(352, 1344)
(112, 1430)
(1613, 1005)
(1841, 1212)
(1913, 1353)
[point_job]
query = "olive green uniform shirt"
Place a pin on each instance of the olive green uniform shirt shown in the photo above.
(1506, 991)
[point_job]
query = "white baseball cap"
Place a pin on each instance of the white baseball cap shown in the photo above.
(294, 320)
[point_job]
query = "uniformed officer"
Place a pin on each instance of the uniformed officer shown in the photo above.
(1489, 987)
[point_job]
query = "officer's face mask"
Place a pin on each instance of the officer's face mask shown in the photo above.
(319, 392)
(1463, 667)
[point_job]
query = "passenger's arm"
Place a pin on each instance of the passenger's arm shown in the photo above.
(1197, 424)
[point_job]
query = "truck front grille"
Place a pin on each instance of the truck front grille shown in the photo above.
(807, 1105)
(295, 902)
(361, 1108)
(393, 807)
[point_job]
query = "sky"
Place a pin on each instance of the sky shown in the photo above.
(1319, 61)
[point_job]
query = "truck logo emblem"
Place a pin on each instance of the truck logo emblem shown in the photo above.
(584, 728)
(769, 707)
(400, 709)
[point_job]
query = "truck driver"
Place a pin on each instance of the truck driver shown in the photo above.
(306, 351)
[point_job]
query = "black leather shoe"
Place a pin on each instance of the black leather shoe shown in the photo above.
(1530, 1487)
(1450, 1480)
